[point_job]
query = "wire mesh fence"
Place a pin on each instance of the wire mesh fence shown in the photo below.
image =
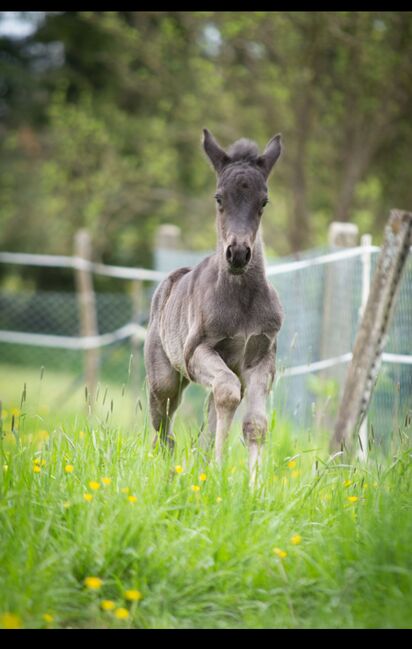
(321, 302)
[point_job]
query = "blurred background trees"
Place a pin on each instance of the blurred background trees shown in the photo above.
(101, 117)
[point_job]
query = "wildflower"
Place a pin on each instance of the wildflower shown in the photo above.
(179, 469)
(48, 618)
(195, 487)
(294, 474)
(121, 613)
(133, 595)
(94, 485)
(39, 462)
(132, 499)
(296, 539)
(36, 468)
(42, 435)
(347, 483)
(219, 499)
(280, 553)
(94, 583)
(292, 464)
(10, 621)
(69, 468)
(125, 490)
(15, 412)
(107, 605)
(107, 481)
(81, 434)
(203, 477)
(352, 499)
(87, 497)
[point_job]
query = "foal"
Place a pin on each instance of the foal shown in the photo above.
(216, 324)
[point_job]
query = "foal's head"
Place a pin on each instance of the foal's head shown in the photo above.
(241, 194)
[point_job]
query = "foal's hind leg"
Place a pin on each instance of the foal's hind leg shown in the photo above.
(165, 388)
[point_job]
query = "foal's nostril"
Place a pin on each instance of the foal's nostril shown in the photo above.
(248, 255)
(229, 254)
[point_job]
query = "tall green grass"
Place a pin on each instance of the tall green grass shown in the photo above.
(319, 542)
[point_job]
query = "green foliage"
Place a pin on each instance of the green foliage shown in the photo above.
(106, 134)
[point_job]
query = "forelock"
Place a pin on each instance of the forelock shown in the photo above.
(243, 150)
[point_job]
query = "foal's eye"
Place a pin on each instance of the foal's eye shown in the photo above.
(218, 199)
(263, 204)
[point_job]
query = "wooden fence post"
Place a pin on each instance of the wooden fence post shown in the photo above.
(336, 326)
(87, 310)
(372, 333)
(366, 242)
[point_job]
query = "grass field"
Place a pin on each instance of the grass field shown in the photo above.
(175, 542)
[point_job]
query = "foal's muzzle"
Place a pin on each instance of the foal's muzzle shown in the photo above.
(238, 256)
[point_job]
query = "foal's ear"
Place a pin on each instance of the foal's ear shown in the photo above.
(217, 156)
(270, 154)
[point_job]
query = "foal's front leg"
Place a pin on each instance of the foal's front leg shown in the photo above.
(258, 381)
(208, 368)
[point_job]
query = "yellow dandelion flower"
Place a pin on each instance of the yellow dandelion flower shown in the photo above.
(10, 621)
(195, 487)
(36, 468)
(94, 485)
(121, 613)
(81, 434)
(292, 464)
(42, 435)
(93, 583)
(88, 497)
(39, 462)
(353, 499)
(294, 474)
(107, 605)
(107, 481)
(48, 618)
(280, 553)
(15, 412)
(347, 483)
(125, 490)
(179, 469)
(203, 477)
(69, 468)
(219, 499)
(296, 539)
(132, 499)
(133, 595)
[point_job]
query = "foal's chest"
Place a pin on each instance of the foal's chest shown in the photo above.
(243, 350)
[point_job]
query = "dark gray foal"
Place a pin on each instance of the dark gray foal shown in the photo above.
(216, 324)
